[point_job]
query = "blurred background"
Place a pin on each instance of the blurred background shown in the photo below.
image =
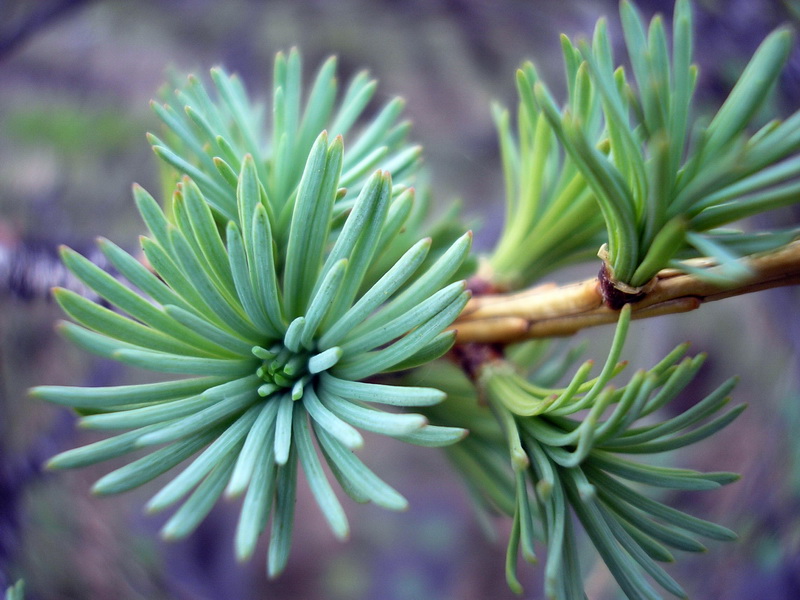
(75, 80)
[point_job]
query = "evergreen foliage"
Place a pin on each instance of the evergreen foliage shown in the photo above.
(291, 285)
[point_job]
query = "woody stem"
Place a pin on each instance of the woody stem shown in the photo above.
(551, 310)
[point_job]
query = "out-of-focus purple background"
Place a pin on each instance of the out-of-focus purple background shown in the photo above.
(75, 80)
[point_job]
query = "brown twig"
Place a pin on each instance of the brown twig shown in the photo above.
(551, 310)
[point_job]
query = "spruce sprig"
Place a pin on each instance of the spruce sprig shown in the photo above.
(210, 131)
(276, 354)
(665, 195)
(546, 455)
(565, 465)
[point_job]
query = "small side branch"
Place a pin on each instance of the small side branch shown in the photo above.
(551, 310)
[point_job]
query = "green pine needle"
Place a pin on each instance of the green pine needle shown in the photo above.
(16, 591)
(623, 156)
(276, 343)
(575, 463)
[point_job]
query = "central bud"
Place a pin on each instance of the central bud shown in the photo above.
(281, 369)
(288, 366)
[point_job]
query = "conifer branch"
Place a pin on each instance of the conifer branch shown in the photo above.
(551, 310)
(286, 276)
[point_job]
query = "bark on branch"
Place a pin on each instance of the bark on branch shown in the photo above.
(550, 310)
